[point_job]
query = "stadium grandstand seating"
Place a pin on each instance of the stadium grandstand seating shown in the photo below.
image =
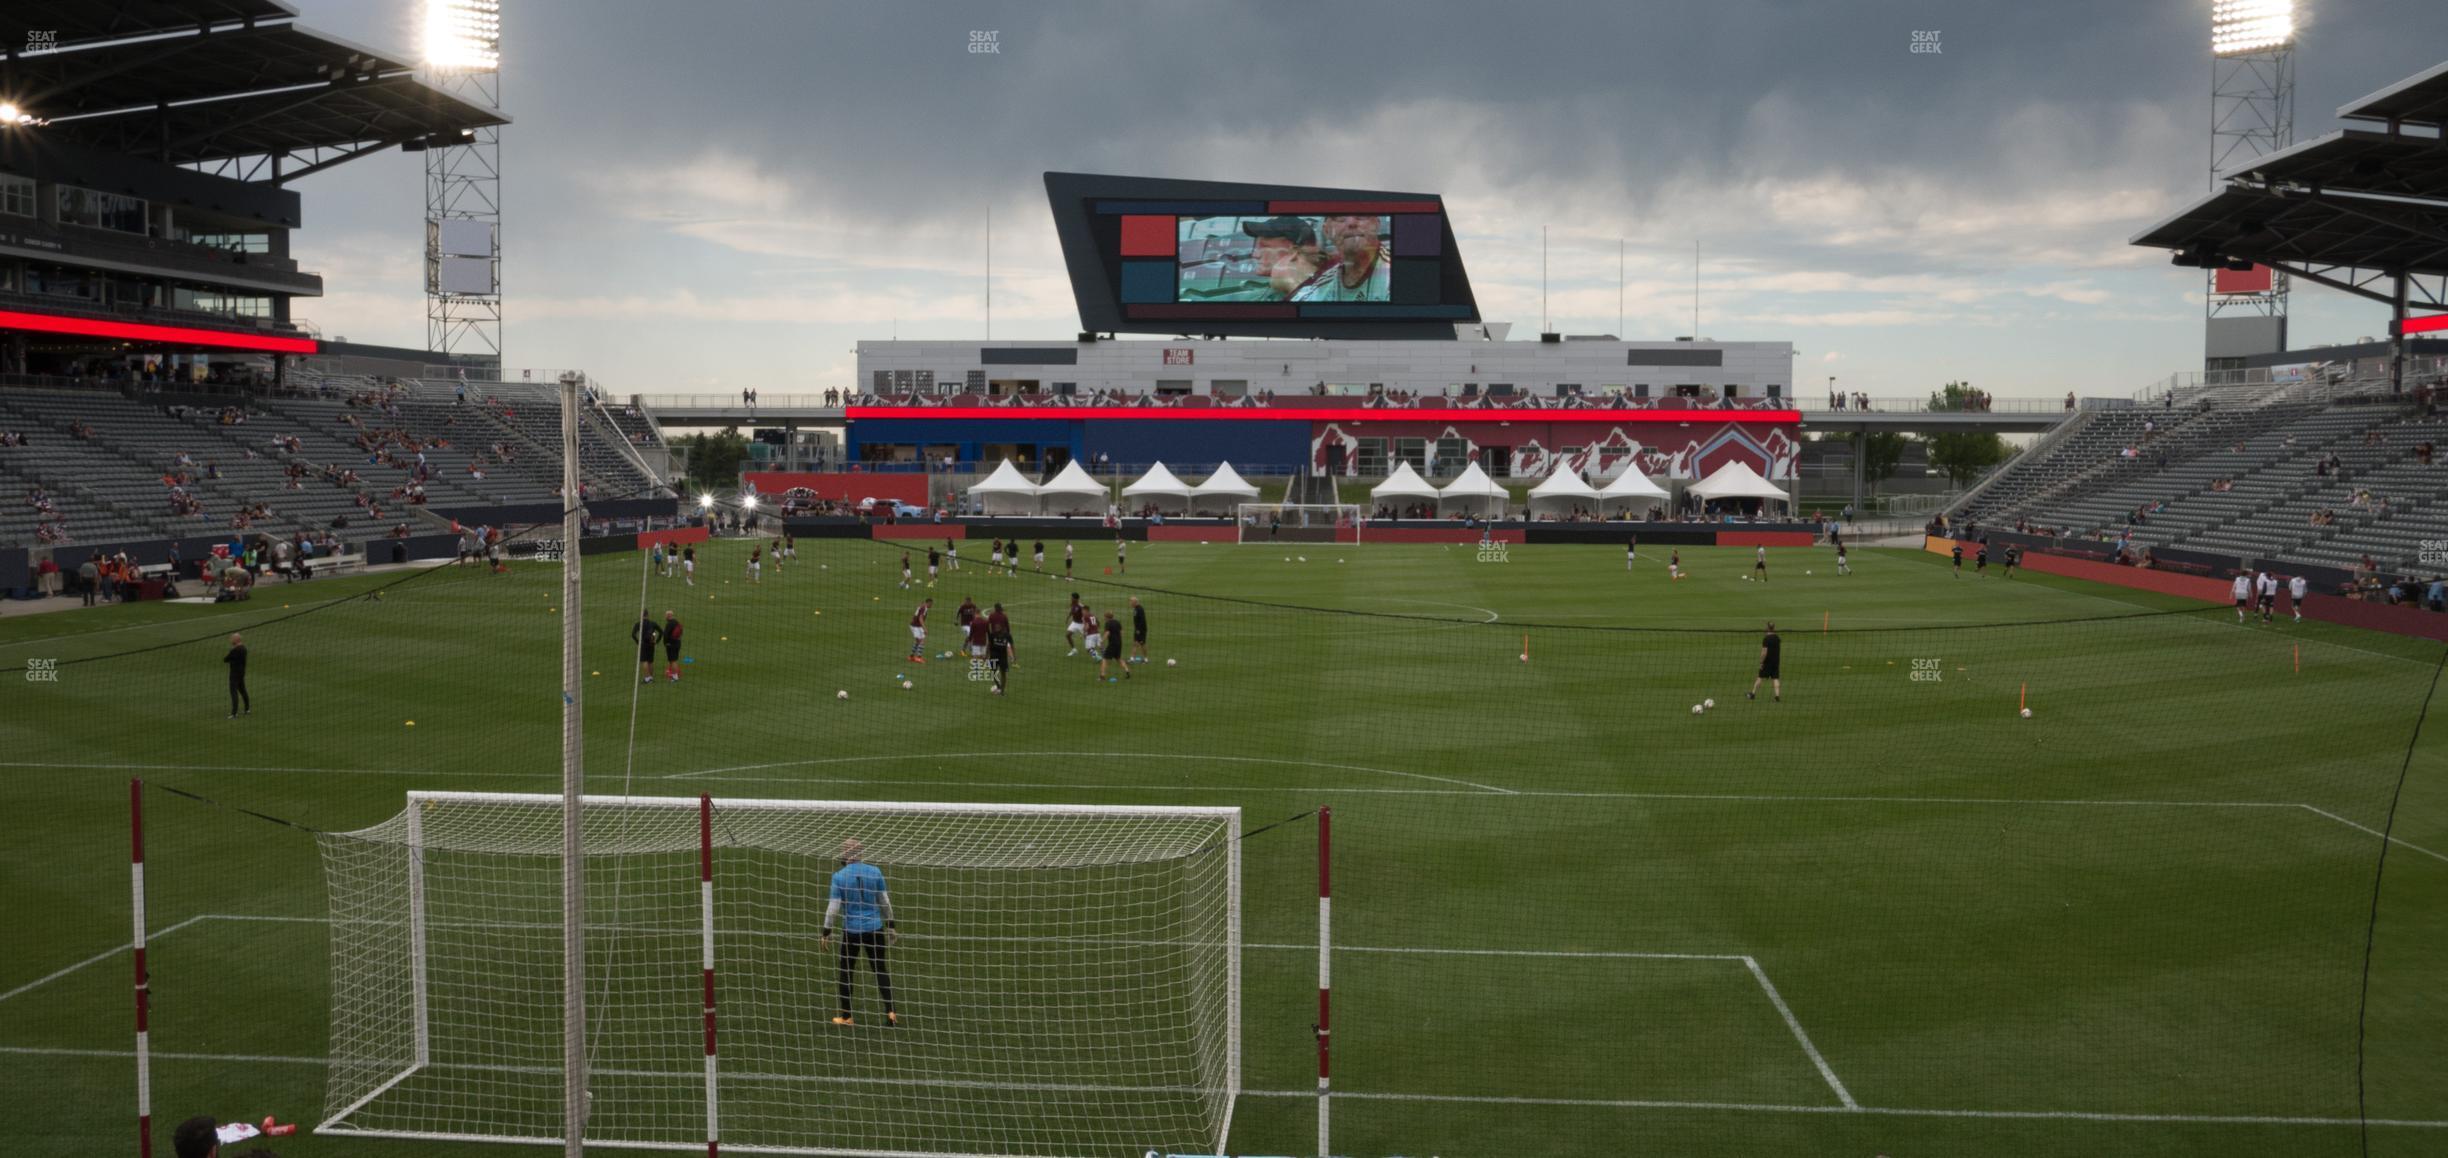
(633, 425)
(118, 483)
(528, 413)
(2242, 480)
(2085, 454)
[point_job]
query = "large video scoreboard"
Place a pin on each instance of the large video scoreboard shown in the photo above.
(1149, 255)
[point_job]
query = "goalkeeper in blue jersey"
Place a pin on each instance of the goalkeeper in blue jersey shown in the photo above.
(864, 908)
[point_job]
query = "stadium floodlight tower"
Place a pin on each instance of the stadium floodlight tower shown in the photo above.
(2252, 114)
(463, 306)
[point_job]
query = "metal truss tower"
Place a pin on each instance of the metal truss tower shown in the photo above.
(463, 187)
(2252, 114)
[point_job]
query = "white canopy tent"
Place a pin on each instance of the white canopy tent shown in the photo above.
(1071, 491)
(1404, 484)
(1565, 490)
(1006, 492)
(1481, 494)
(1160, 486)
(1225, 487)
(1632, 488)
(1737, 481)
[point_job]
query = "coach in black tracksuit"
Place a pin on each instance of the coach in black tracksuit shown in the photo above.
(647, 636)
(240, 702)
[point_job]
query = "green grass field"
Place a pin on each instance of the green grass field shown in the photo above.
(1885, 916)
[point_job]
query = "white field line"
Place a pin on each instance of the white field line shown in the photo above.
(676, 930)
(155, 935)
(725, 775)
(1492, 616)
(96, 959)
(1783, 1010)
(2401, 843)
(683, 1074)
(1890, 1111)
(720, 773)
(1593, 954)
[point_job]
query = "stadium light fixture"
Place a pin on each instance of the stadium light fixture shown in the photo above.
(2240, 26)
(11, 116)
(705, 502)
(748, 502)
(463, 34)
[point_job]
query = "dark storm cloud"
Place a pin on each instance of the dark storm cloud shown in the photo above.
(825, 157)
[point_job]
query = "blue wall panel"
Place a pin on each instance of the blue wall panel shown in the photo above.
(1205, 442)
(965, 433)
(1253, 442)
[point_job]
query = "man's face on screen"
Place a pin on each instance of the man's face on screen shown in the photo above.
(1284, 264)
(1355, 238)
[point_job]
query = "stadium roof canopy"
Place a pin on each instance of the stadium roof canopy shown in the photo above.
(194, 82)
(81, 21)
(2306, 229)
(2359, 160)
(2340, 210)
(2420, 99)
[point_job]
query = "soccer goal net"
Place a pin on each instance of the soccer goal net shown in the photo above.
(1064, 979)
(1300, 522)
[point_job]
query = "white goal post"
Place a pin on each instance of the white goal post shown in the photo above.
(1300, 522)
(1066, 978)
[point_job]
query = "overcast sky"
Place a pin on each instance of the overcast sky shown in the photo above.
(728, 193)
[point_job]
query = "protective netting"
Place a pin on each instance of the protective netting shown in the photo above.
(1888, 913)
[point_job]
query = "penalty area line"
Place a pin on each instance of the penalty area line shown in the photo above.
(1886, 1111)
(156, 935)
(2398, 841)
(1786, 1011)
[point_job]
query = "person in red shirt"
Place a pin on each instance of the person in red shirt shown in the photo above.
(918, 630)
(977, 643)
(999, 647)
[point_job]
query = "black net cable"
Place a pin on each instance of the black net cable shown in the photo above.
(2371, 928)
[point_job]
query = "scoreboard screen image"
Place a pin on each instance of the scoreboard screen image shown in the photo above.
(1157, 256)
(1287, 258)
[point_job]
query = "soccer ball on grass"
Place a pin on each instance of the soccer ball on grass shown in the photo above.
(842, 694)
